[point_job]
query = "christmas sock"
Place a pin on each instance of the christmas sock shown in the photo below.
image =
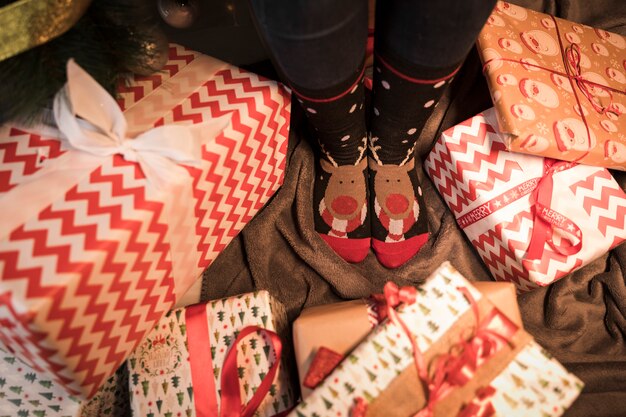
(337, 120)
(401, 105)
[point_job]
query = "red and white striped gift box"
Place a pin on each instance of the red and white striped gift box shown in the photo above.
(84, 277)
(532, 220)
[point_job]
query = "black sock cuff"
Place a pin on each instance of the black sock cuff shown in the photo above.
(333, 93)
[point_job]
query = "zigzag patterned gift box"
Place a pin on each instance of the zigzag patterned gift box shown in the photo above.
(103, 233)
(181, 368)
(533, 220)
(510, 374)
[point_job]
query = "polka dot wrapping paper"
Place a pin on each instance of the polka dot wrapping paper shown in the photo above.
(559, 87)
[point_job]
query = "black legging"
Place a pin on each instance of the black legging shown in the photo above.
(319, 44)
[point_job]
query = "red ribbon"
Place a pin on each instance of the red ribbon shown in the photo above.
(481, 405)
(391, 298)
(205, 397)
(457, 367)
(571, 60)
(546, 220)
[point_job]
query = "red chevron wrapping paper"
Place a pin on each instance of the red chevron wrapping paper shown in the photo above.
(495, 194)
(84, 280)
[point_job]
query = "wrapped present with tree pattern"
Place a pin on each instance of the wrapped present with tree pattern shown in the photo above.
(445, 351)
(218, 358)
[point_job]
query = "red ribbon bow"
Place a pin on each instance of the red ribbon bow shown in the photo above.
(457, 367)
(205, 396)
(547, 221)
(481, 405)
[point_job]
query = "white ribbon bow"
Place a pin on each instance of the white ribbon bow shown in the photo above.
(90, 120)
(94, 129)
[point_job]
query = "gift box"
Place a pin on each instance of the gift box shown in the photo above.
(559, 87)
(340, 327)
(115, 215)
(220, 355)
(496, 365)
(24, 392)
(532, 220)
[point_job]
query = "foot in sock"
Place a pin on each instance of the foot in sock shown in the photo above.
(343, 207)
(399, 223)
(401, 105)
(340, 188)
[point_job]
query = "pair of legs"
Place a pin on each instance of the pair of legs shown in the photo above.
(366, 191)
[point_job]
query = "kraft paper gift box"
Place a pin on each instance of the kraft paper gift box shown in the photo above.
(559, 87)
(112, 216)
(531, 219)
(182, 368)
(515, 376)
(340, 327)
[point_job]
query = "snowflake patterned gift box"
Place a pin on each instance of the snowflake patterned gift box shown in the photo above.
(559, 87)
(186, 366)
(115, 214)
(532, 220)
(500, 367)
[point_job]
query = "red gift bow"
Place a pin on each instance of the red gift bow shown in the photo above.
(571, 61)
(456, 368)
(481, 405)
(547, 220)
(205, 399)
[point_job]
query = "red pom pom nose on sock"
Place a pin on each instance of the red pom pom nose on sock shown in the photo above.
(344, 205)
(396, 203)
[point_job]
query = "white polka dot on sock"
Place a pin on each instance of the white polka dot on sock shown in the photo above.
(345, 138)
(300, 101)
(439, 84)
(310, 110)
(411, 131)
(344, 145)
(405, 141)
(361, 106)
(378, 69)
(353, 108)
(419, 190)
(429, 103)
(354, 88)
(376, 112)
(385, 84)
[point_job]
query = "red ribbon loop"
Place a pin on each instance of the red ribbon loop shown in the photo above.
(459, 366)
(547, 221)
(574, 72)
(202, 369)
(481, 405)
(230, 392)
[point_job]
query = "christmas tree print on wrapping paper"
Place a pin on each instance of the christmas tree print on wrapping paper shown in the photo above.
(26, 393)
(226, 318)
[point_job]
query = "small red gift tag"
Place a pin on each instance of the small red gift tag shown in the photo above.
(324, 361)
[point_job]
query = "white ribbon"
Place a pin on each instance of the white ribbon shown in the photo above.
(94, 129)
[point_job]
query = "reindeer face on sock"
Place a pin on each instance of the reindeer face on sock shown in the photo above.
(345, 193)
(393, 188)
